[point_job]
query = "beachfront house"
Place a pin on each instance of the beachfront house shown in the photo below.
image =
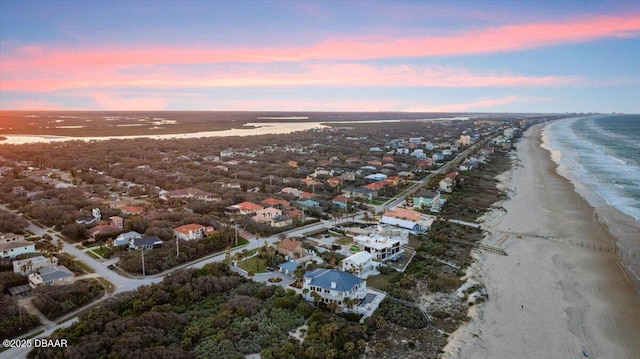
(382, 248)
(333, 286)
(360, 264)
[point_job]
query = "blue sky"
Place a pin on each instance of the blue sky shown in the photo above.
(458, 56)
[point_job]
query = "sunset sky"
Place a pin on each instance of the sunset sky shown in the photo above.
(458, 56)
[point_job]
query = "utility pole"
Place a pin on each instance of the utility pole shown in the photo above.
(177, 247)
(236, 227)
(142, 251)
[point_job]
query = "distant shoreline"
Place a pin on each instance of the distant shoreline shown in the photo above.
(549, 295)
(94, 124)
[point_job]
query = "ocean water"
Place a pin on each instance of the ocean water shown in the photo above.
(601, 155)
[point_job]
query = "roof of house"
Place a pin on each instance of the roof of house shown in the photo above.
(269, 210)
(147, 241)
(188, 228)
(102, 228)
(292, 191)
(19, 290)
(191, 192)
(363, 190)
(133, 209)
(249, 206)
(33, 260)
(128, 235)
(52, 273)
(289, 266)
(426, 194)
(273, 202)
(377, 241)
(289, 244)
(404, 213)
(304, 194)
(6, 245)
(323, 278)
(341, 198)
(359, 258)
(375, 185)
(309, 203)
(404, 223)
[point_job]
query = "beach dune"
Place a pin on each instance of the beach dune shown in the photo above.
(561, 297)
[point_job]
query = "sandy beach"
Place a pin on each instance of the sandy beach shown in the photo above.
(549, 298)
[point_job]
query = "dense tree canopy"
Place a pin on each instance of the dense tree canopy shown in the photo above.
(207, 313)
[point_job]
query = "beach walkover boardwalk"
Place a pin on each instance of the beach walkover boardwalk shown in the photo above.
(482, 246)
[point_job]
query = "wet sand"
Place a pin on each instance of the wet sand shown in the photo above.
(549, 298)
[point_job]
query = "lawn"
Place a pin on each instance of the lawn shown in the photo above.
(255, 265)
(84, 267)
(100, 251)
(344, 240)
(241, 242)
(381, 281)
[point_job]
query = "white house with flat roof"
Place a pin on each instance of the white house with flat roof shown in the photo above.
(382, 248)
(360, 264)
(30, 265)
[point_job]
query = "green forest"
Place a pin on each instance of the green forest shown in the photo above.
(208, 313)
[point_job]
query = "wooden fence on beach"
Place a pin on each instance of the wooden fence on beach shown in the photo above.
(633, 255)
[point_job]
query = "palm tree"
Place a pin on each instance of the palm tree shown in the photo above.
(316, 297)
(349, 303)
(333, 307)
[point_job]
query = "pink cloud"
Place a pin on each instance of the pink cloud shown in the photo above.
(477, 105)
(475, 41)
(338, 74)
(33, 105)
(108, 102)
(295, 105)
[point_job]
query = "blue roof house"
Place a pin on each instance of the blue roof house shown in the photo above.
(288, 267)
(332, 285)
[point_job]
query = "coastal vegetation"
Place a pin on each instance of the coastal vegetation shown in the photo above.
(15, 320)
(426, 278)
(163, 258)
(55, 301)
(210, 312)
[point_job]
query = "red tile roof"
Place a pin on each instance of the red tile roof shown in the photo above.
(289, 244)
(249, 206)
(188, 228)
